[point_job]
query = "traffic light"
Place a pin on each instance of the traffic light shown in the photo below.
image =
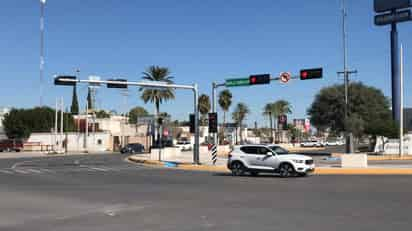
(213, 122)
(259, 79)
(72, 80)
(315, 73)
(117, 85)
(192, 123)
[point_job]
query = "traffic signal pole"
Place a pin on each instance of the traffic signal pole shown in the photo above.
(396, 84)
(72, 80)
(214, 105)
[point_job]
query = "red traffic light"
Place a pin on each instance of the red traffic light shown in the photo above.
(304, 74)
(315, 73)
(259, 79)
(253, 80)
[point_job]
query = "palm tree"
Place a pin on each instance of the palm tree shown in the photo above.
(204, 107)
(157, 96)
(225, 100)
(239, 115)
(269, 111)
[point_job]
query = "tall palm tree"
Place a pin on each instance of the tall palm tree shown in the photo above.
(154, 95)
(269, 111)
(239, 115)
(225, 100)
(204, 107)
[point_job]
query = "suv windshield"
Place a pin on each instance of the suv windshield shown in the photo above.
(279, 150)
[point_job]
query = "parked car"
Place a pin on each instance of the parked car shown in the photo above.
(262, 158)
(11, 145)
(184, 145)
(133, 148)
(312, 143)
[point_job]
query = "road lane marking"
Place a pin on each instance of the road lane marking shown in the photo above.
(34, 170)
(100, 169)
(6, 171)
(20, 171)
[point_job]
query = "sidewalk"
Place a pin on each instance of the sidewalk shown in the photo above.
(186, 163)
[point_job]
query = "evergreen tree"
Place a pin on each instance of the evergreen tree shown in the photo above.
(89, 99)
(74, 109)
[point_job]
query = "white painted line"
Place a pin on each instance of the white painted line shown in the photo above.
(20, 163)
(6, 171)
(20, 171)
(34, 170)
(100, 169)
(47, 170)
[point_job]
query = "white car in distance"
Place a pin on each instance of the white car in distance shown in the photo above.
(272, 158)
(184, 145)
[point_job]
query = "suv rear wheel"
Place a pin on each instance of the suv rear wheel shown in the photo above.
(286, 170)
(237, 169)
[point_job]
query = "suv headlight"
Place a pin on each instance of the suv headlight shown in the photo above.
(299, 161)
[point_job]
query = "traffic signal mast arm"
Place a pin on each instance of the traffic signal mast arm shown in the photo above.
(63, 79)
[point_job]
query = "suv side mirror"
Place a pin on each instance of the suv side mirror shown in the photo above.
(269, 154)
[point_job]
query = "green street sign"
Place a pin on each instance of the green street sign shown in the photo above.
(237, 82)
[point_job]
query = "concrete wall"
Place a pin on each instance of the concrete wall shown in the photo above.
(100, 141)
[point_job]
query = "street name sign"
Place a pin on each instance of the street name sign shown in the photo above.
(237, 82)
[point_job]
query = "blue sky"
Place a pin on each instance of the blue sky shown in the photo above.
(200, 41)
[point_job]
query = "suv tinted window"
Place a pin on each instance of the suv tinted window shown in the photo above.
(255, 150)
(263, 150)
(250, 150)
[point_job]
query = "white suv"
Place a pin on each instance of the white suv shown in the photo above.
(271, 158)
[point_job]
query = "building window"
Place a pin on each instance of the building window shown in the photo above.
(99, 142)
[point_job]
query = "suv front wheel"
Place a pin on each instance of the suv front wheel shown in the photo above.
(286, 170)
(237, 169)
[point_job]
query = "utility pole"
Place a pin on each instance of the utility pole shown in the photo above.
(346, 73)
(42, 4)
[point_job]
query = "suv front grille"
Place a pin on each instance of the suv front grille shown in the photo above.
(309, 162)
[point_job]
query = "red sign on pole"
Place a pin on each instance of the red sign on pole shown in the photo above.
(285, 77)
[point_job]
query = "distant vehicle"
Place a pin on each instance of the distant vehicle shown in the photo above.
(11, 145)
(184, 145)
(261, 158)
(334, 143)
(312, 143)
(132, 148)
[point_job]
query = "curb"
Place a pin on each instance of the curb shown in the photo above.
(318, 171)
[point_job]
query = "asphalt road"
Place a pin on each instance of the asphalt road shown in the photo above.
(102, 192)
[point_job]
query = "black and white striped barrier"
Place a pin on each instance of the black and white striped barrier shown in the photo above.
(213, 152)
